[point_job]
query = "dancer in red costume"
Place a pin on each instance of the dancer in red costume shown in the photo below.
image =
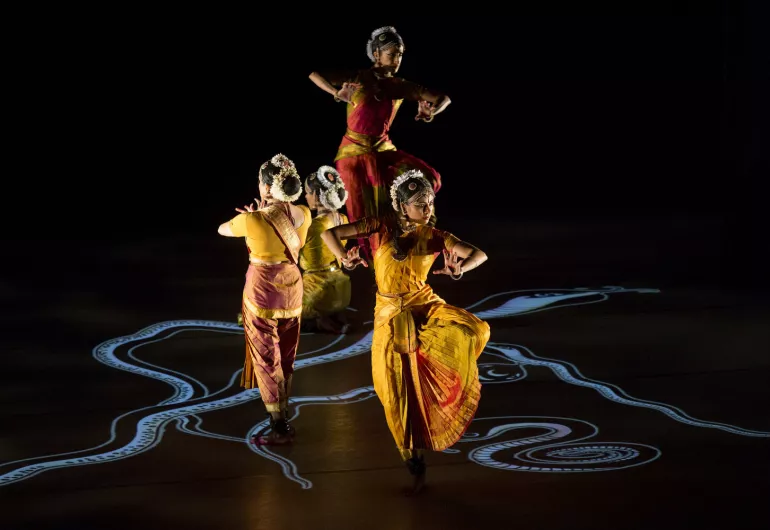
(367, 160)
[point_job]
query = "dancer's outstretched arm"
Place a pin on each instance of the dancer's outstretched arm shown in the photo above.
(462, 258)
(226, 228)
(330, 84)
(438, 101)
(430, 102)
(333, 237)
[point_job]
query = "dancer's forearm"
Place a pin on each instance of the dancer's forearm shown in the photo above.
(474, 259)
(440, 104)
(323, 84)
(332, 240)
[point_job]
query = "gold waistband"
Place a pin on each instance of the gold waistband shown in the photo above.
(394, 295)
(365, 139)
(362, 144)
(261, 262)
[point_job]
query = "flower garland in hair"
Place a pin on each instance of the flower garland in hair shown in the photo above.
(331, 182)
(286, 169)
(378, 34)
(411, 174)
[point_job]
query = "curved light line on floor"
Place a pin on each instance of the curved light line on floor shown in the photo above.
(609, 391)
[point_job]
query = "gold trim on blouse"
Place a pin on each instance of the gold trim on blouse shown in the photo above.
(284, 227)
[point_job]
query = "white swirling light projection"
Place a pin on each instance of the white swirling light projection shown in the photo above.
(560, 442)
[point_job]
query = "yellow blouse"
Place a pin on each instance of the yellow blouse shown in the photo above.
(422, 246)
(262, 241)
(315, 255)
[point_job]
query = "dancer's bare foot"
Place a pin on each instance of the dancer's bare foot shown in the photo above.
(281, 433)
(272, 439)
(417, 469)
(418, 482)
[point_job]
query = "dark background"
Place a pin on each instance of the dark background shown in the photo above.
(581, 149)
(149, 125)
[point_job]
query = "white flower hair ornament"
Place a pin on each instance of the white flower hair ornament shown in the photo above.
(330, 180)
(378, 34)
(282, 161)
(411, 174)
(328, 177)
(286, 169)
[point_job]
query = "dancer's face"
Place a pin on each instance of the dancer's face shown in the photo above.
(390, 58)
(311, 197)
(420, 208)
(264, 191)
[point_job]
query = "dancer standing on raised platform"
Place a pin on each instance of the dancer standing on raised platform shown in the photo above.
(366, 159)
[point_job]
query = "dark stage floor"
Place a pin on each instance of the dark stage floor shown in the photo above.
(625, 386)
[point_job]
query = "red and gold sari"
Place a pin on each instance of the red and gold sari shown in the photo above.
(272, 306)
(366, 159)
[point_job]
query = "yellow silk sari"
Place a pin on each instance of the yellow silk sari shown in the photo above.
(326, 286)
(424, 350)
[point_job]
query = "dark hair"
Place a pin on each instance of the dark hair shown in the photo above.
(386, 40)
(406, 191)
(291, 183)
(383, 38)
(316, 187)
(411, 188)
(327, 184)
(312, 182)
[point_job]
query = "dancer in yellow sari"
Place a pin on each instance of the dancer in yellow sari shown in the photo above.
(272, 294)
(326, 287)
(424, 350)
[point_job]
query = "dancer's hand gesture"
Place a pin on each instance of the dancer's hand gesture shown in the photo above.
(452, 265)
(346, 92)
(424, 111)
(248, 208)
(353, 259)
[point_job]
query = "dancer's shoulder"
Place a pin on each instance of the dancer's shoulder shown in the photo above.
(322, 222)
(368, 225)
(307, 216)
(438, 239)
(338, 77)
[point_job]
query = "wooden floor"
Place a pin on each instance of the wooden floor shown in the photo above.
(625, 386)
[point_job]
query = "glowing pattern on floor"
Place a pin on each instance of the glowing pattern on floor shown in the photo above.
(558, 446)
